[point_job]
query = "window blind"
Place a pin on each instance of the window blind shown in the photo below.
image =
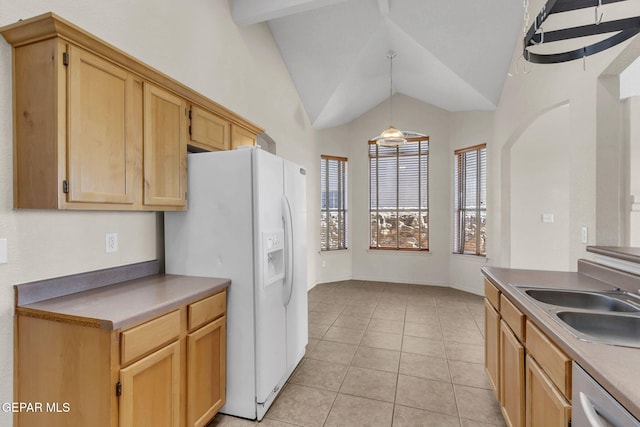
(333, 203)
(470, 200)
(399, 196)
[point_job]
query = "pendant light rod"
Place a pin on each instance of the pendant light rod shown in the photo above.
(391, 137)
(391, 55)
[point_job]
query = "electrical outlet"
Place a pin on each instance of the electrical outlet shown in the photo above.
(584, 234)
(111, 242)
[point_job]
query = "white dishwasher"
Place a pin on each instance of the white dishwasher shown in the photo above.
(593, 406)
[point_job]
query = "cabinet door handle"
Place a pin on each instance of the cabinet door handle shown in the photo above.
(590, 411)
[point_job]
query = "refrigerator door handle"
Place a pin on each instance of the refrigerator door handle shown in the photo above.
(287, 218)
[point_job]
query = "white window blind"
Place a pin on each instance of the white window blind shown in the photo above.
(333, 203)
(470, 201)
(399, 196)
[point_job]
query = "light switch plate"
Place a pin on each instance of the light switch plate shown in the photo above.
(4, 256)
(547, 217)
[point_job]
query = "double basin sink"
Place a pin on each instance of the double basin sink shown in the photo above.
(607, 317)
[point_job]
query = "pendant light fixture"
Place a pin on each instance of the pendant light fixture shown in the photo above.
(391, 137)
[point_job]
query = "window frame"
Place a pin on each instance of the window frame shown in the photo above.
(422, 247)
(460, 195)
(341, 198)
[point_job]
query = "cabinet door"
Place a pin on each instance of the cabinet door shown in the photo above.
(511, 377)
(206, 372)
(209, 131)
(100, 143)
(241, 137)
(151, 390)
(165, 148)
(546, 407)
(492, 345)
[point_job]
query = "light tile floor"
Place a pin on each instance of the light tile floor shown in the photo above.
(386, 354)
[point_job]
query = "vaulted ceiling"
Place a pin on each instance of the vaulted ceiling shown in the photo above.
(453, 54)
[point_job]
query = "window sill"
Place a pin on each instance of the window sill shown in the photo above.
(397, 252)
(468, 257)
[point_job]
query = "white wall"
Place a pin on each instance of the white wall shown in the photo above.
(466, 130)
(392, 266)
(196, 43)
(539, 186)
(334, 266)
(632, 125)
(447, 132)
(592, 195)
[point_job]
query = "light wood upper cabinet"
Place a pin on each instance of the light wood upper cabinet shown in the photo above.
(209, 131)
(76, 135)
(165, 148)
(241, 137)
(85, 115)
(101, 141)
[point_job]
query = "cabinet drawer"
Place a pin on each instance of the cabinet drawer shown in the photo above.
(492, 294)
(514, 318)
(149, 336)
(551, 359)
(206, 310)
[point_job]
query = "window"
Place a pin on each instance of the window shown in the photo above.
(333, 203)
(470, 201)
(399, 195)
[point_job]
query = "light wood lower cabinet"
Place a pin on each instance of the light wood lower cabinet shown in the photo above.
(512, 378)
(546, 406)
(529, 373)
(492, 346)
(156, 373)
(151, 390)
(206, 372)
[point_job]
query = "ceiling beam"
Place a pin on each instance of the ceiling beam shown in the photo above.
(247, 12)
(384, 7)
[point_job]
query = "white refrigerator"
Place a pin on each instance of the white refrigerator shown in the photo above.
(246, 220)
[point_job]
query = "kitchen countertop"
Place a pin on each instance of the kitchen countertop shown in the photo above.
(616, 368)
(121, 305)
(621, 252)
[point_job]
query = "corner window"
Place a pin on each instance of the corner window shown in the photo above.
(470, 201)
(333, 203)
(399, 196)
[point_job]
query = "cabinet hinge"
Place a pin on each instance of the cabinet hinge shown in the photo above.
(189, 129)
(65, 186)
(65, 58)
(118, 389)
(190, 114)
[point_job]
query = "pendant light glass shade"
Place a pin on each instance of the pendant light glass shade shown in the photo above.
(391, 137)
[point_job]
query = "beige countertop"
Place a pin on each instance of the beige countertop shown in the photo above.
(616, 368)
(118, 306)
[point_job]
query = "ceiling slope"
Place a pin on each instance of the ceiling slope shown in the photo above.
(451, 54)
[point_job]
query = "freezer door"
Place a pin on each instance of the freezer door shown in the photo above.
(297, 331)
(270, 311)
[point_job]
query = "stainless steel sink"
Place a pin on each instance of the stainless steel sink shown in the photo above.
(607, 317)
(581, 299)
(605, 328)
